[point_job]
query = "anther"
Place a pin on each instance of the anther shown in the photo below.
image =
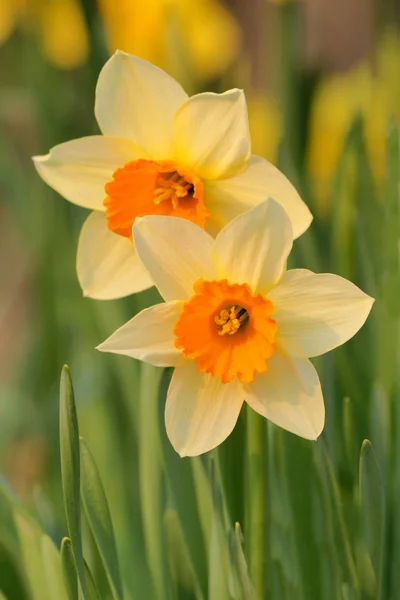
(231, 320)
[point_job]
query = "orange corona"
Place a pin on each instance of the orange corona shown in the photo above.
(145, 187)
(227, 330)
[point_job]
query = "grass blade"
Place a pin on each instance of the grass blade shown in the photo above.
(373, 513)
(69, 569)
(70, 471)
(99, 518)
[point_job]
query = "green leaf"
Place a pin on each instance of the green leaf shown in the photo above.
(223, 579)
(248, 592)
(69, 569)
(151, 477)
(99, 518)
(53, 569)
(373, 512)
(181, 566)
(93, 592)
(70, 471)
(31, 555)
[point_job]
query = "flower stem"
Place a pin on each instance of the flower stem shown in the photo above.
(256, 530)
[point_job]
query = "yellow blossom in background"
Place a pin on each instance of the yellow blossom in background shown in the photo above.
(10, 11)
(63, 34)
(372, 91)
(196, 37)
(265, 121)
(236, 325)
(58, 25)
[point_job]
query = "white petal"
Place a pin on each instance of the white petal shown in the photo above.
(201, 411)
(175, 252)
(212, 134)
(137, 100)
(79, 169)
(227, 198)
(107, 263)
(319, 312)
(289, 394)
(253, 248)
(149, 336)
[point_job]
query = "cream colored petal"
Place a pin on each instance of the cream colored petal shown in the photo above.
(107, 263)
(295, 274)
(137, 100)
(175, 252)
(253, 248)
(227, 198)
(201, 411)
(149, 336)
(79, 169)
(212, 134)
(289, 394)
(319, 312)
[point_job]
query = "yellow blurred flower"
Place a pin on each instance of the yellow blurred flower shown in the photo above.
(199, 37)
(58, 24)
(371, 91)
(265, 121)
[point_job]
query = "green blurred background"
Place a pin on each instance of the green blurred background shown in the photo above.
(319, 521)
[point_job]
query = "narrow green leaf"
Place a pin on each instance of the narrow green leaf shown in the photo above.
(69, 569)
(223, 578)
(99, 518)
(93, 592)
(248, 591)
(181, 566)
(151, 477)
(256, 471)
(345, 553)
(373, 512)
(53, 569)
(31, 555)
(70, 471)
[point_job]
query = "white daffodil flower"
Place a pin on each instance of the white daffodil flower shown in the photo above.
(161, 153)
(236, 325)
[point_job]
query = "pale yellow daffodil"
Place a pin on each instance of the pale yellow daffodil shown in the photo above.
(161, 153)
(236, 325)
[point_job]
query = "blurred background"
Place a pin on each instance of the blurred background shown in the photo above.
(322, 82)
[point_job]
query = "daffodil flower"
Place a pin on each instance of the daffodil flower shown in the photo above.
(236, 325)
(160, 153)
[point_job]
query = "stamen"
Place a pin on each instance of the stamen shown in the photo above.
(231, 319)
(173, 187)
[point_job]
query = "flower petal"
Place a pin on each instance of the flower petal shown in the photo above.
(107, 264)
(227, 198)
(289, 394)
(294, 275)
(253, 248)
(137, 100)
(149, 336)
(319, 312)
(212, 134)
(79, 169)
(201, 411)
(176, 252)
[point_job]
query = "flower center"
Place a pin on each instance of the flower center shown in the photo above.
(227, 330)
(145, 187)
(231, 319)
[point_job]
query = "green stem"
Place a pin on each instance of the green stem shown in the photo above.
(256, 499)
